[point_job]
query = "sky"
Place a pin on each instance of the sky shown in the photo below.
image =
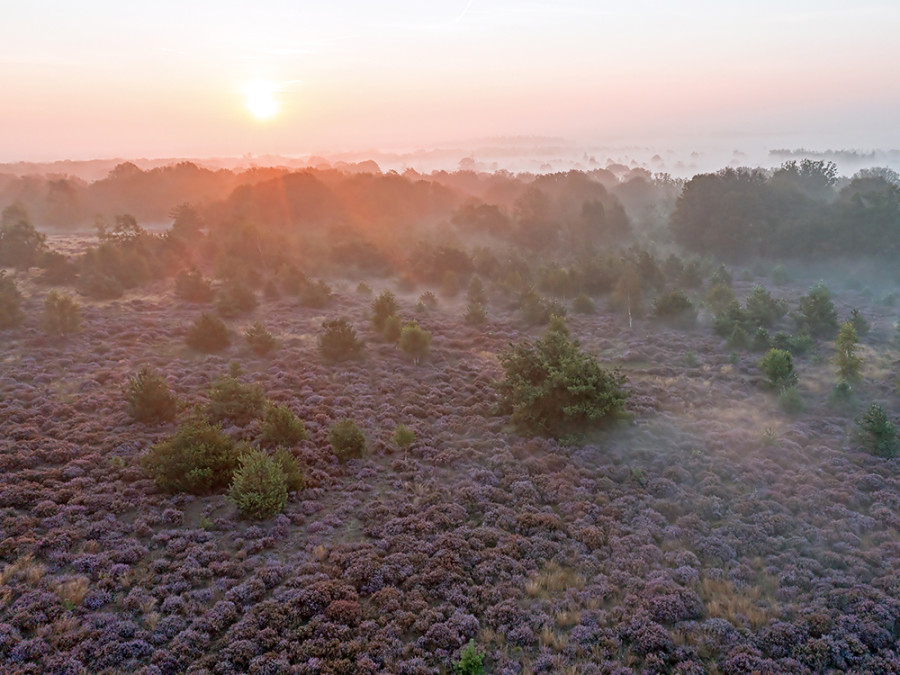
(170, 78)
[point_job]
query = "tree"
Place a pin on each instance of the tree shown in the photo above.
(347, 439)
(259, 488)
(778, 366)
(818, 316)
(148, 397)
(198, 458)
(62, 315)
(847, 361)
(415, 341)
(629, 292)
(10, 303)
(280, 426)
(553, 388)
(383, 306)
(208, 334)
(20, 244)
(338, 341)
(877, 432)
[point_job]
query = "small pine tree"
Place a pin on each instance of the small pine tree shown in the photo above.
(338, 341)
(415, 341)
(230, 399)
(259, 487)
(347, 439)
(403, 436)
(293, 472)
(10, 303)
(475, 315)
(475, 294)
(280, 426)
(192, 287)
(198, 458)
(148, 397)
(877, 432)
(817, 314)
(778, 366)
(208, 334)
(392, 328)
(859, 322)
(260, 339)
(847, 361)
(383, 306)
(471, 660)
(62, 315)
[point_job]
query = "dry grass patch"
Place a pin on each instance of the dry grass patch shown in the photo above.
(552, 580)
(740, 607)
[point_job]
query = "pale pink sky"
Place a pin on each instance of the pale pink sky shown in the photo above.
(98, 78)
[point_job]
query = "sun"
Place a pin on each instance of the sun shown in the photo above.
(261, 100)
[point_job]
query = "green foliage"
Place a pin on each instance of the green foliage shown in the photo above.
(738, 338)
(230, 399)
(721, 277)
(582, 304)
(57, 268)
(471, 660)
(259, 487)
(316, 294)
(860, 325)
(675, 308)
(847, 361)
(347, 439)
(429, 299)
(383, 306)
(20, 244)
(414, 340)
(293, 472)
(392, 328)
(790, 401)
(192, 287)
(720, 297)
(280, 426)
(235, 298)
(796, 344)
(62, 315)
(403, 436)
(198, 458)
(778, 366)
(148, 397)
(761, 340)
(363, 288)
(338, 341)
(208, 334)
(780, 276)
(763, 309)
(877, 432)
(260, 339)
(11, 313)
(475, 315)
(536, 310)
(553, 388)
(817, 314)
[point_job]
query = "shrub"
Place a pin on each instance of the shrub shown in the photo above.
(259, 487)
(761, 340)
(763, 309)
(720, 297)
(58, 269)
(475, 293)
(20, 244)
(797, 344)
(403, 436)
(471, 660)
(99, 286)
(721, 276)
(789, 400)
(363, 288)
(192, 287)
(582, 304)
(738, 338)
(338, 340)
(230, 399)
(316, 294)
(674, 307)
(235, 299)
(780, 277)
(536, 310)
(148, 397)
(208, 334)
(293, 472)
(847, 361)
(10, 303)
(475, 315)
(383, 306)
(877, 432)
(198, 458)
(429, 299)
(414, 340)
(817, 314)
(778, 366)
(392, 328)
(347, 439)
(860, 325)
(280, 426)
(62, 315)
(260, 339)
(554, 388)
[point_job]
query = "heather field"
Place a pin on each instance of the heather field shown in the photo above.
(716, 529)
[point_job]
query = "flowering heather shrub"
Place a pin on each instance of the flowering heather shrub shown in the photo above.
(338, 340)
(383, 306)
(62, 315)
(192, 287)
(347, 439)
(554, 388)
(260, 339)
(259, 487)
(208, 334)
(198, 458)
(10, 303)
(148, 397)
(230, 399)
(280, 426)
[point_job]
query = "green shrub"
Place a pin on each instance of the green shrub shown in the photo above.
(208, 334)
(554, 388)
(790, 401)
(148, 397)
(347, 439)
(877, 432)
(11, 313)
(363, 288)
(721, 276)
(778, 366)
(192, 287)
(720, 297)
(403, 436)
(230, 399)
(429, 299)
(259, 486)
(260, 339)
(536, 310)
(99, 286)
(847, 361)
(675, 308)
(471, 660)
(761, 340)
(582, 304)
(198, 458)
(780, 277)
(392, 328)
(280, 426)
(475, 315)
(414, 340)
(763, 309)
(338, 341)
(62, 315)
(20, 244)
(383, 306)
(315, 294)
(293, 472)
(738, 338)
(57, 268)
(817, 314)
(235, 299)
(475, 293)
(860, 325)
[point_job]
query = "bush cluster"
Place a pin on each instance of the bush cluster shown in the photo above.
(198, 458)
(347, 440)
(148, 397)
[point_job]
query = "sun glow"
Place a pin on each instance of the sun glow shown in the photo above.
(261, 100)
